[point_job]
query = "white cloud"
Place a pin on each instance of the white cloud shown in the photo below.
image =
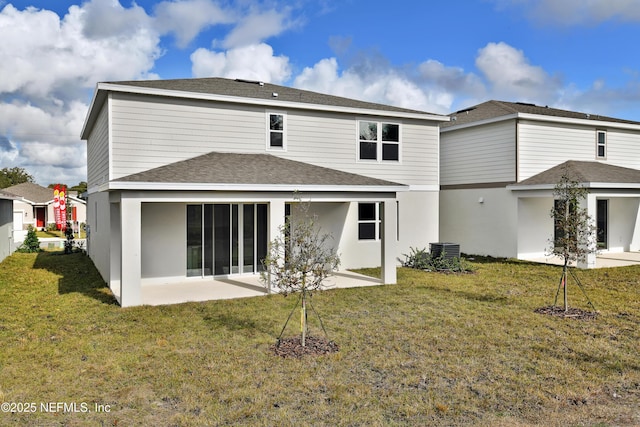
(576, 12)
(453, 79)
(47, 66)
(256, 62)
(257, 27)
(8, 151)
(186, 19)
(107, 19)
(386, 86)
(511, 76)
(63, 57)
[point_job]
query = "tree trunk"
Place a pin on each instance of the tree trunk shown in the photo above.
(303, 318)
(564, 286)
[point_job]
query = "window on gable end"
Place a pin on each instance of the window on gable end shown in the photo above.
(276, 131)
(601, 144)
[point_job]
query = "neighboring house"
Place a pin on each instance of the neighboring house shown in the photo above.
(6, 224)
(500, 162)
(190, 179)
(33, 206)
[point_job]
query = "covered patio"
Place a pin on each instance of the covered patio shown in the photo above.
(205, 289)
(198, 229)
(612, 202)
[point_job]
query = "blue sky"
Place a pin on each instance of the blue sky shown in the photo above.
(436, 56)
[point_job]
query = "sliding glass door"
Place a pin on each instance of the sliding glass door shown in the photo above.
(225, 239)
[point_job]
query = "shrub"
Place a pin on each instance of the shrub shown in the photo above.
(422, 259)
(31, 242)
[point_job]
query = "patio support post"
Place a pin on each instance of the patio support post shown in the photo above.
(131, 261)
(115, 250)
(276, 222)
(589, 203)
(634, 245)
(388, 242)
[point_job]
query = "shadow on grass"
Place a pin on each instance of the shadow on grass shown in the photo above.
(77, 274)
(482, 259)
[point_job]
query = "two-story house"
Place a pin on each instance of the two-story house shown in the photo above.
(500, 162)
(190, 179)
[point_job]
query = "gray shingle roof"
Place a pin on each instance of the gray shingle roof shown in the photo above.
(32, 192)
(258, 90)
(494, 109)
(250, 169)
(586, 172)
(5, 195)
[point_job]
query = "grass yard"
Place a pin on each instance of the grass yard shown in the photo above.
(59, 234)
(435, 349)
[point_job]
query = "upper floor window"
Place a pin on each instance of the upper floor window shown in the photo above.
(276, 132)
(378, 141)
(601, 144)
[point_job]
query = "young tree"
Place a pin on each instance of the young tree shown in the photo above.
(298, 260)
(575, 232)
(31, 242)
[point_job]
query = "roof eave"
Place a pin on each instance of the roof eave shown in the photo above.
(172, 186)
(102, 88)
(96, 100)
(586, 122)
(591, 185)
(479, 123)
(545, 118)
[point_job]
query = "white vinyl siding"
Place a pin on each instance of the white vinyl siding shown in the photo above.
(98, 150)
(151, 132)
(545, 145)
(623, 148)
(328, 140)
(481, 154)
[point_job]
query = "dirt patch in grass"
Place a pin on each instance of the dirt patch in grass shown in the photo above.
(314, 346)
(570, 313)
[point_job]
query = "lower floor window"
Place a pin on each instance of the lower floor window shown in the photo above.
(369, 221)
(226, 238)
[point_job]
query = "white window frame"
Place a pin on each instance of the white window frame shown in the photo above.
(599, 144)
(379, 142)
(269, 131)
(377, 221)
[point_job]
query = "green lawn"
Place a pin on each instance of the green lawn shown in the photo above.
(435, 349)
(58, 233)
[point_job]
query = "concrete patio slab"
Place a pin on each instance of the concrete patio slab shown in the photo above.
(206, 289)
(603, 260)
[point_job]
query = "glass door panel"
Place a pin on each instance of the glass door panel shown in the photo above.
(208, 240)
(262, 235)
(194, 240)
(222, 239)
(225, 239)
(248, 250)
(602, 219)
(235, 239)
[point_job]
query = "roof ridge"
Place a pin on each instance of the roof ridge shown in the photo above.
(505, 105)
